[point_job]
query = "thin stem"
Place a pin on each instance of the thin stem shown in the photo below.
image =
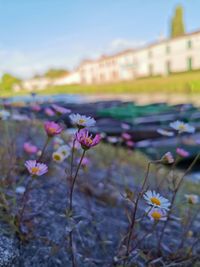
(71, 206)
(24, 200)
(73, 183)
(44, 148)
(174, 196)
(72, 249)
(135, 209)
(72, 158)
(145, 235)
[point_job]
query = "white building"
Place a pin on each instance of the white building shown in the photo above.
(179, 54)
(161, 58)
(71, 78)
(35, 84)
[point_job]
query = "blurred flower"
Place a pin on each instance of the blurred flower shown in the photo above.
(81, 121)
(20, 117)
(52, 128)
(65, 150)
(192, 198)
(58, 157)
(167, 158)
(85, 162)
(156, 200)
(182, 127)
(126, 136)
(156, 214)
(4, 114)
(60, 110)
(112, 139)
(36, 107)
(182, 153)
(164, 132)
(49, 112)
(77, 145)
(125, 126)
(29, 148)
(39, 153)
(57, 142)
(130, 144)
(86, 140)
(20, 189)
(36, 168)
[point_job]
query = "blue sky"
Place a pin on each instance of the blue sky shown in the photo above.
(39, 34)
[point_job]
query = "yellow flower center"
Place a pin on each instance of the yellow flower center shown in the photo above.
(156, 215)
(34, 170)
(181, 127)
(89, 140)
(155, 201)
(51, 130)
(57, 157)
(81, 121)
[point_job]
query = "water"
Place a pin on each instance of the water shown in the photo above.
(66, 98)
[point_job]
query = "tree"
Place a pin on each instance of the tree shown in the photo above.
(177, 23)
(8, 80)
(56, 73)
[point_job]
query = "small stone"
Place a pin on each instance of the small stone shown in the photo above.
(20, 190)
(9, 253)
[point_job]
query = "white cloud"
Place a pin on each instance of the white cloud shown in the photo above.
(57, 55)
(121, 44)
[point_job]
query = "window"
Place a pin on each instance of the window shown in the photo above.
(168, 67)
(150, 53)
(167, 49)
(189, 63)
(189, 44)
(150, 70)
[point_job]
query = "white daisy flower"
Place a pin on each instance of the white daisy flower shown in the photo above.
(164, 132)
(58, 157)
(182, 127)
(82, 121)
(156, 214)
(4, 114)
(192, 198)
(156, 200)
(167, 158)
(65, 150)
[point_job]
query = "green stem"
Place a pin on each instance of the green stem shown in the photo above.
(140, 194)
(174, 197)
(73, 183)
(24, 200)
(44, 148)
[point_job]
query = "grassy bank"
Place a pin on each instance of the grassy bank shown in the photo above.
(175, 83)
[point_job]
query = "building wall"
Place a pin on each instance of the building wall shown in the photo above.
(174, 55)
(71, 78)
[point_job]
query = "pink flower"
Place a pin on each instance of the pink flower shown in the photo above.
(36, 107)
(130, 143)
(86, 140)
(85, 162)
(126, 136)
(52, 128)
(182, 153)
(29, 148)
(49, 112)
(60, 110)
(36, 168)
